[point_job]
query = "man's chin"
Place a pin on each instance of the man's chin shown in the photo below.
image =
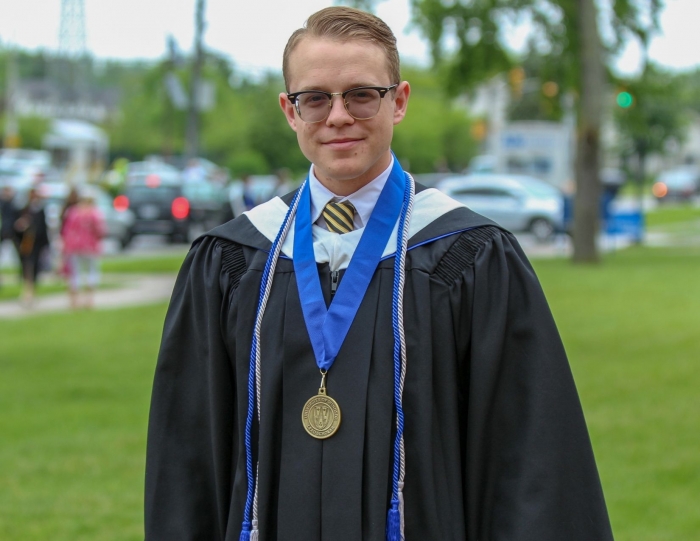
(340, 173)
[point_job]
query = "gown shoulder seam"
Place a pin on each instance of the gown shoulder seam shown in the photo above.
(462, 254)
(233, 261)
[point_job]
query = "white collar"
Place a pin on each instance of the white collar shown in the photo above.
(337, 250)
(363, 199)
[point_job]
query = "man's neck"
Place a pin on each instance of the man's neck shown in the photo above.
(344, 187)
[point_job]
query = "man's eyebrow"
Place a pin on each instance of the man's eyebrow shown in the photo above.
(320, 89)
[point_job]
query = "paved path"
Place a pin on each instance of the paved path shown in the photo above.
(129, 290)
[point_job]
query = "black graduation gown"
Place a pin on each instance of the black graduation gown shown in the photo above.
(496, 444)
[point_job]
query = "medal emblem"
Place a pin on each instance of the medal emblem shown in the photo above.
(321, 414)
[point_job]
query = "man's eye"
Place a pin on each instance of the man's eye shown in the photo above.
(362, 96)
(314, 99)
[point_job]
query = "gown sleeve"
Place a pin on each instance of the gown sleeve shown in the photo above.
(530, 471)
(192, 418)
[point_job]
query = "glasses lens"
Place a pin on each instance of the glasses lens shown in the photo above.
(313, 106)
(363, 103)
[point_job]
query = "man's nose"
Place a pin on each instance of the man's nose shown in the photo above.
(338, 114)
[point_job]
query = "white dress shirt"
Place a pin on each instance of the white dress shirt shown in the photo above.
(363, 199)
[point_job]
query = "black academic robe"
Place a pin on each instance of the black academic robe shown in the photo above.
(496, 444)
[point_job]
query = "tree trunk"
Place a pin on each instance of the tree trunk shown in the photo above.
(592, 76)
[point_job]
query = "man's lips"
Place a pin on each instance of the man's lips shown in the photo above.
(342, 143)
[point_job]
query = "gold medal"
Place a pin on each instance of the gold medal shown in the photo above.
(321, 414)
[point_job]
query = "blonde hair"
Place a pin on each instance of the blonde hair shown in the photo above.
(346, 24)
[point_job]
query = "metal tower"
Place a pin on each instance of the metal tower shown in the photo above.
(71, 37)
(70, 68)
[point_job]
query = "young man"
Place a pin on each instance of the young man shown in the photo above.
(387, 369)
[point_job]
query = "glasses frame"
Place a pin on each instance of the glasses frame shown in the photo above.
(383, 90)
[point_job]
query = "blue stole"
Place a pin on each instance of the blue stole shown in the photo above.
(328, 328)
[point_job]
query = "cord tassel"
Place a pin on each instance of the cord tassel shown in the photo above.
(393, 523)
(401, 511)
(254, 533)
(245, 532)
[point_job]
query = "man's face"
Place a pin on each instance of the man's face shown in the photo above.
(346, 153)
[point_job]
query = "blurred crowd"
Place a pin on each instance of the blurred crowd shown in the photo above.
(79, 242)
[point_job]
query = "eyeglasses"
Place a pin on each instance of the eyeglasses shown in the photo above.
(361, 103)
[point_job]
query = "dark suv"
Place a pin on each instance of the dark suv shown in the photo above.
(163, 205)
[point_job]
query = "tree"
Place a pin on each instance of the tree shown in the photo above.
(650, 114)
(436, 134)
(567, 35)
(538, 96)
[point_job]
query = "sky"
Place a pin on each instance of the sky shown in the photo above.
(253, 32)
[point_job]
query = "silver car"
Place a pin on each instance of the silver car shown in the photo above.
(679, 184)
(516, 202)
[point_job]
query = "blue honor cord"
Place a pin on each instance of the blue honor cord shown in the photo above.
(395, 201)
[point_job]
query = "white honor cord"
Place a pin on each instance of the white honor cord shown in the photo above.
(258, 324)
(402, 335)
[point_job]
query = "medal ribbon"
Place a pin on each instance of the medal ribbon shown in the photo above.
(328, 328)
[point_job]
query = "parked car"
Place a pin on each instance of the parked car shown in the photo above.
(209, 170)
(679, 184)
(429, 180)
(163, 204)
(516, 202)
(209, 203)
(158, 204)
(151, 166)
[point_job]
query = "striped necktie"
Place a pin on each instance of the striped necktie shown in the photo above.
(339, 217)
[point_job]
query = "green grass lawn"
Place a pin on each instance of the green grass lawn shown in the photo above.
(631, 331)
(75, 402)
(11, 290)
(160, 264)
(74, 394)
(672, 215)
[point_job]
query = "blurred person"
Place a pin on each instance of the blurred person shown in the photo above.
(194, 172)
(71, 200)
(113, 180)
(420, 320)
(283, 183)
(82, 233)
(611, 181)
(32, 238)
(248, 195)
(8, 215)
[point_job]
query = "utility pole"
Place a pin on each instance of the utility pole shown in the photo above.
(192, 131)
(11, 139)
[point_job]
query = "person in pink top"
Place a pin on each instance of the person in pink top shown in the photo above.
(82, 233)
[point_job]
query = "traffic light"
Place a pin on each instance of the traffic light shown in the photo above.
(624, 99)
(516, 77)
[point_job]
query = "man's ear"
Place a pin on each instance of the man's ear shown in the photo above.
(288, 110)
(402, 92)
